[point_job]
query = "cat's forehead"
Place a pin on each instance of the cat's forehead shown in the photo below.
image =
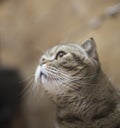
(71, 48)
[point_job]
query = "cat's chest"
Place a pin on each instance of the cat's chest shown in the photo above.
(67, 119)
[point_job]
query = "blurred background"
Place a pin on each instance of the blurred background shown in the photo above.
(29, 27)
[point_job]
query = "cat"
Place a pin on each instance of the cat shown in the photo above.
(72, 78)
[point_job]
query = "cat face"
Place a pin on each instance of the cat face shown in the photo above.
(67, 66)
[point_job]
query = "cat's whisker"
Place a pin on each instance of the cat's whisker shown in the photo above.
(27, 78)
(86, 84)
(30, 90)
(28, 87)
(74, 77)
(60, 74)
(35, 91)
(27, 82)
(58, 71)
(57, 83)
(57, 79)
(53, 69)
(61, 78)
(61, 82)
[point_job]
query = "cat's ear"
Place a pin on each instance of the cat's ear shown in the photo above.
(90, 47)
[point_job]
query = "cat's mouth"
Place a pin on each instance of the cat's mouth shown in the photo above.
(49, 79)
(40, 75)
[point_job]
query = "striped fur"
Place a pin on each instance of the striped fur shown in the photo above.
(72, 78)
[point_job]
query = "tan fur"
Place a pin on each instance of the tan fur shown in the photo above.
(72, 78)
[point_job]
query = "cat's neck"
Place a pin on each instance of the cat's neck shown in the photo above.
(99, 87)
(89, 102)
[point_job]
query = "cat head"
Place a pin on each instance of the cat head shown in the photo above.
(68, 66)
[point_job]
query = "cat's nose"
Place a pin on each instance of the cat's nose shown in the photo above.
(44, 61)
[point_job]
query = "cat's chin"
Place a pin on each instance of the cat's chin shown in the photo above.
(39, 75)
(42, 78)
(50, 84)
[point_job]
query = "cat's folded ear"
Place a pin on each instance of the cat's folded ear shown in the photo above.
(90, 47)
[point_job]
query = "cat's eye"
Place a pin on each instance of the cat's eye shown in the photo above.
(60, 54)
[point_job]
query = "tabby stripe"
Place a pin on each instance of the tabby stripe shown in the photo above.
(78, 59)
(105, 113)
(70, 118)
(69, 68)
(79, 71)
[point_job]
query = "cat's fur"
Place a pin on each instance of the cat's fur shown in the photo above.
(72, 78)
